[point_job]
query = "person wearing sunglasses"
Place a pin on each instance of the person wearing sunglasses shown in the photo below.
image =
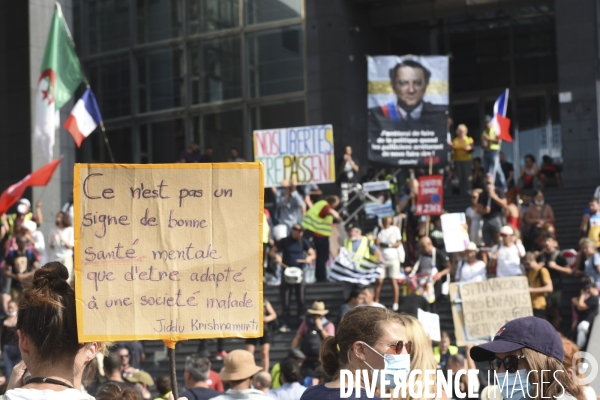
(368, 338)
(421, 355)
(527, 351)
(507, 255)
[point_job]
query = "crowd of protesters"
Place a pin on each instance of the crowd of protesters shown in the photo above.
(511, 234)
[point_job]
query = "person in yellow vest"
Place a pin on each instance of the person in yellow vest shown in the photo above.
(318, 221)
(24, 214)
(443, 351)
(365, 253)
(490, 142)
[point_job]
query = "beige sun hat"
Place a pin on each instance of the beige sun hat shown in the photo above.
(239, 365)
(318, 308)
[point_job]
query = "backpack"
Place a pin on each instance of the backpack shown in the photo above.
(311, 342)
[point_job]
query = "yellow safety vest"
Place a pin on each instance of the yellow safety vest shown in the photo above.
(453, 350)
(492, 134)
(312, 222)
(362, 257)
(266, 229)
(393, 183)
(11, 222)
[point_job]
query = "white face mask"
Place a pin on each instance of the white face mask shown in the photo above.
(392, 363)
(12, 314)
(516, 386)
(539, 203)
(21, 208)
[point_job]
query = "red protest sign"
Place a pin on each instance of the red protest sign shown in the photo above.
(430, 200)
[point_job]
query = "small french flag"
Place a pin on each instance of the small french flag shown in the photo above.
(84, 118)
(500, 123)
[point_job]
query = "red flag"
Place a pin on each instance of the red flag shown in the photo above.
(40, 177)
(504, 124)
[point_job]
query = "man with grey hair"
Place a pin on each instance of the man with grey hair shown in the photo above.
(195, 375)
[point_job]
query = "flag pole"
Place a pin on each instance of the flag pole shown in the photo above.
(110, 153)
(106, 142)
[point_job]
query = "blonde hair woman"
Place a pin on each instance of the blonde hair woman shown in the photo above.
(421, 356)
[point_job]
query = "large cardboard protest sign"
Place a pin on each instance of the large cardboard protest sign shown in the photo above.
(170, 251)
(305, 153)
(480, 309)
(408, 110)
(430, 198)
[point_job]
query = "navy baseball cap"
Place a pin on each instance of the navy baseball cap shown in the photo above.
(527, 332)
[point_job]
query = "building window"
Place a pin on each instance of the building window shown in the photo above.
(160, 78)
(275, 61)
(107, 26)
(274, 116)
(260, 11)
(93, 148)
(162, 141)
(221, 131)
(158, 20)
(216, 73)
(110, 80)
(212, 15)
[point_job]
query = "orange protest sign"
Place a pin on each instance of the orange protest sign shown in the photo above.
(169, 251)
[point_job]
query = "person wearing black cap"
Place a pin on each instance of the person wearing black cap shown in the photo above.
(528, 352)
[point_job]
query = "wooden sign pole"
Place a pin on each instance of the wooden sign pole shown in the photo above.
(172, 366)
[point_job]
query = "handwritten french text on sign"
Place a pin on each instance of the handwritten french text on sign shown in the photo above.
(305, 153)
(170, 251)
(488, 305)
(430, 199)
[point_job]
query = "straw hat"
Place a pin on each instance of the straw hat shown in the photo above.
(239, 365)
(318, 308)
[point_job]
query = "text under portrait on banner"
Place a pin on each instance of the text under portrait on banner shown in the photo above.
(430, 199)
(170, 251)
(304, 153)
(408, 110)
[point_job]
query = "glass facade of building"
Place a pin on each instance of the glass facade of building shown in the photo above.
(491, 51)
(167, 73)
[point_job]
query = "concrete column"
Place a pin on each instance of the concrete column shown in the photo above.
(59, 188)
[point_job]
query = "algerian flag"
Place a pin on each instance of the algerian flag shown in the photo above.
(60, 76)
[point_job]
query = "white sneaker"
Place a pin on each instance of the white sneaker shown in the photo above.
(395, 307)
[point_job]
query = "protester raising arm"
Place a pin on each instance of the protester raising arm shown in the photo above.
(38, 213)
(494, 197)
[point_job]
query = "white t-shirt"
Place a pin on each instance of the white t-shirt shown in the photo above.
(390, 236)
(35, 394)
(509, 260)
(471, 273)
(475, 228)
(60, 251)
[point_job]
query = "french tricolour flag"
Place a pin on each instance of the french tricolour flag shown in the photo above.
(84, 118)
(500, 123)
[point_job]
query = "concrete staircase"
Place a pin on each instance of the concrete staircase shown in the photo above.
(330, 293)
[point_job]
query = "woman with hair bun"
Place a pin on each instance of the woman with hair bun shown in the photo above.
(368, 338)
(117, 391)
(53, 359)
